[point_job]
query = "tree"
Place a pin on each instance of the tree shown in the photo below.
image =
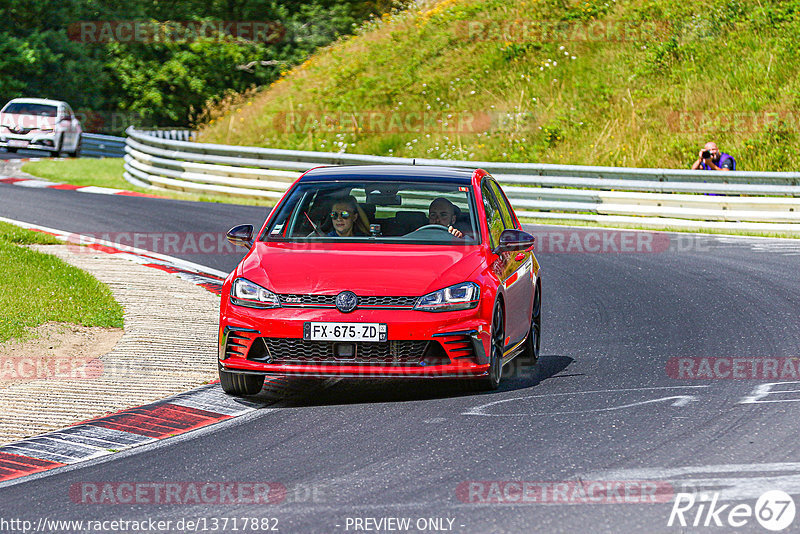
(43, 54)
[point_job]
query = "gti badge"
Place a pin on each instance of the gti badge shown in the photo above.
(346, 301)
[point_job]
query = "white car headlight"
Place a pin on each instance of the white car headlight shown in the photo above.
(461, 296)
(251, 295)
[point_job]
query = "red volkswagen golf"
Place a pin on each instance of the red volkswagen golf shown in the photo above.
(382, 271)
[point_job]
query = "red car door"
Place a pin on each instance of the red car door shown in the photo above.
(512, 268)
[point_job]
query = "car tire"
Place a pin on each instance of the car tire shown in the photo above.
(491, 381)
(239, 384)
(530, 352)
(75, 153)
(57, 148)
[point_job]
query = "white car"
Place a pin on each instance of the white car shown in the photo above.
(40, 124)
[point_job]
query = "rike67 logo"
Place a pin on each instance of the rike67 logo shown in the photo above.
(774, 510)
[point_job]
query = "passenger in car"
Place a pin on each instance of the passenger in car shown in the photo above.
(444, 212)
(348, 219)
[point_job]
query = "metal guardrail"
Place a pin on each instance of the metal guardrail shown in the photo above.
(660, 197)
(171, 134)
(102, 146)
(109, 146)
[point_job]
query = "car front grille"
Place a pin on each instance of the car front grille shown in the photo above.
(329, 301)
(298, 351)
(307, 300)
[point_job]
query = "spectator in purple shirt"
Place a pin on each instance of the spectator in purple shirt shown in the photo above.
(711, 159)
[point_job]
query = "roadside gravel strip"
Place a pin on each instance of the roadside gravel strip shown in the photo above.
(13, 168)
(169, 346)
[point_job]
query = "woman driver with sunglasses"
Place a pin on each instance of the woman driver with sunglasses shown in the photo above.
(346, 219)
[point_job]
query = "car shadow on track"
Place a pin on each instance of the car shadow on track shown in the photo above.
(300, 392)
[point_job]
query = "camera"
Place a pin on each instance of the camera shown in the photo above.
(706, 154)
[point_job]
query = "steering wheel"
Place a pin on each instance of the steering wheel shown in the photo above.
(428, 227)
(316, 231)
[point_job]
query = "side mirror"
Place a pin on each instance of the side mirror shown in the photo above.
(241, 236)
(515, 240)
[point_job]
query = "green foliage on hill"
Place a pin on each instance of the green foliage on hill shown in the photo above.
(601, 82)
(61, 49)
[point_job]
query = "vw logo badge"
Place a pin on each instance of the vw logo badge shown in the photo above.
(346, 301)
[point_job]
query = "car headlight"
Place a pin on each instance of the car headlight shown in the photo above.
(246, 293)
(458, 297)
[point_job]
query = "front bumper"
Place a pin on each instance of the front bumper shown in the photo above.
(37, 141)
(459, 339)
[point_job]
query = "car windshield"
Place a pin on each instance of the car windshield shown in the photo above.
(23, 108)
(385, 211)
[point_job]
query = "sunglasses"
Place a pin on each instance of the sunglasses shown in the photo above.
(343, 214)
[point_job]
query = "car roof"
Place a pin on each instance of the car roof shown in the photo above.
(45, 101)
(411, 173)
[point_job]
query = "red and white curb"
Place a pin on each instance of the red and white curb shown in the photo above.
(45, 184)
(129, 428)
(26, 160)
(110, 434)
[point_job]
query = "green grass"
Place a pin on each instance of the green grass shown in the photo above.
(659, 79)
(683, 74)
(20, 236)
(107, 172)
(37, 288)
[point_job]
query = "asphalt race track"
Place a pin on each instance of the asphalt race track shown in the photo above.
(663, 357)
